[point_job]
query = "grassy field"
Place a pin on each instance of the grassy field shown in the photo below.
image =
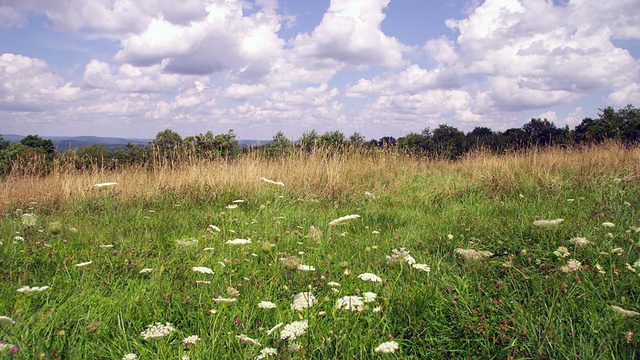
(399, 280)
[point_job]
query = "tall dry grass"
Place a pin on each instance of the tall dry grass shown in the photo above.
(326, 174)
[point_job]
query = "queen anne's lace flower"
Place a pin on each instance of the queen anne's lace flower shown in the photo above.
(266, 305)
(370, 277)
(238, 242)
(400, 256)
(202, 269)
(303, 300)
(579, 241)
(157, 330)
(387, 347)
(293, 330)
(245, 339)
(572, 265)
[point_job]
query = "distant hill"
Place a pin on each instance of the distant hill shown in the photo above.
(63, 143)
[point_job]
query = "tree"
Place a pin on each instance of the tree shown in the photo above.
(36, 142)
(167, 142)
(356, 140)
(543, 132)
(309, 140)
(281, 140)
(416, 143)
(449, 142)
(333, 140)
(4, 144)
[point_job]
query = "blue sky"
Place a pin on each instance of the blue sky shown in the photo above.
(132, 68)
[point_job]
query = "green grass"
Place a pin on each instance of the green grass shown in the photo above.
(517, 305)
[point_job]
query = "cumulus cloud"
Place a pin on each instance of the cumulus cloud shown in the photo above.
(350, 33)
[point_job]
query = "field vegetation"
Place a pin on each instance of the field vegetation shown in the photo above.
(322, 254)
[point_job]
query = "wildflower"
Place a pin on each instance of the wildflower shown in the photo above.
(84, 264)
(473, 255)
(423, 267)
(562, 252)
(202, 269)
(617, 251)
(342, 219)
(245, 339)
(266, 351)
(279, 183)
(189, 242)
(27, 289)
(29, 219)
(353, 303)
(370, 277)
(290, 262)
(6, 320)
(214, 228)
(274, 328)
(203, 282)
(266, 305)
(238, 242)
(303, 300)
(369, 297)
(306, 268)
(232, 206)
(377, 309)
(572, 265)
(387, 347)
(146, 270)
(314, 233)
(233, 292)
(130, 357)
(366, 193)
(600, 269)
(547, 223)
(400, 256)
(580, 241)
(237, 201)
(450, 236)
(18, 238)
(73, 230)
(293, 330)
(375, 232)
(225, 300)
(624, 312)
(629, 267)
(333, 284)
(107, 184)
(157, 330)
(106, 246)
(608, 224)
(190, 340)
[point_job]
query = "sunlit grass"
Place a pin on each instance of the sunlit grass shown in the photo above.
(325, 266)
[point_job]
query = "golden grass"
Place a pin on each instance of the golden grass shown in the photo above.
(324, 174)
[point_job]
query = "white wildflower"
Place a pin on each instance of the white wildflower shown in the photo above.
(29, 219)
(266, 351)
(572, 265)
(27, 289)
(84, 264)
(190, 340)
(624, 312)
(157, 330)
(342, 219)
(266, 305)
(208, 249)
(18, 238)
(608, 224)
(547, 223)
(202, 269)
(450, 236)
(107, 246)
(333, 284)
(423, 267)
(600, 269)
(232, 206)
(562, 252)
(580, 241)
(274, 328)
(107, 184)
(238, 201)
(191, 241)
(233, 292)
(617, 251)
(306, 267)
(238, 242)
(369, 297)
(224, 300)
(303, 300)
(214, 228)
(366, 193)
(6, 320)
(73, 230)
(377, 309)
(146, 270)
(387, 347)
(130, 357)
(203, 282)
(400, 256)
(370, 277)
(353, 303)
(293, 330)
(245, 339)
(629, 267)
(279, 183)
(375, 232)
(473, 255)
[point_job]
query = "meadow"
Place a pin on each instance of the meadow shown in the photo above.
(358, 255)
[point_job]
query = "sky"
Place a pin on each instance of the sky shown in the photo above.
(132, 68)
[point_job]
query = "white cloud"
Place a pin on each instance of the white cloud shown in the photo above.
(350, 33)
(624, 96)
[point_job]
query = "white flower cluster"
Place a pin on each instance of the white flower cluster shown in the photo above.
(247, 340)
(266, 305)
(303, 300)
(293, 330)
(190, 340)
(473, 255)
(400, 256)
(387, 347)
(27, 289)
(266, 351)
(157, 330)
(572, 265)
(355, 303)
(370, 277)
(562, 252)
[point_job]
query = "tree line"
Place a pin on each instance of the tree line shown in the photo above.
(34, 154)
